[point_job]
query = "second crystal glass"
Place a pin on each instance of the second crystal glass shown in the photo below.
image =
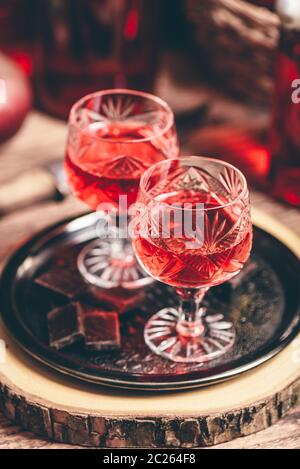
(192, 231)
(114, 136)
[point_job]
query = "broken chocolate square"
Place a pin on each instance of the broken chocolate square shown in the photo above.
(119, 299)
(101, 329)
(64, 279)
(64, 326)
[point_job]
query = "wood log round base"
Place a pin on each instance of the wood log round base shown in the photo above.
(66, 410)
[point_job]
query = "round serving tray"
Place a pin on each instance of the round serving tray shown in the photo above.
(264, 305)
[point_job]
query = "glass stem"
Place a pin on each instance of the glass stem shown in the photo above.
(122, 247)
(190, 322)
(117, 227)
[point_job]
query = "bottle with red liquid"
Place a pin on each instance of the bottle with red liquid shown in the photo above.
(285, 134)
(89, 45)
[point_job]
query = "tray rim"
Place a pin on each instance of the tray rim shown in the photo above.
(260, 220)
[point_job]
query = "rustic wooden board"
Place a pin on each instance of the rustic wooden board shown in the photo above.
(66, 410)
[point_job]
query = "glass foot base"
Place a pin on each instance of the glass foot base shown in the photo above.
(111, 263)
(163, 339)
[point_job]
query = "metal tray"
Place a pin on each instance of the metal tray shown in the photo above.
(265, 307)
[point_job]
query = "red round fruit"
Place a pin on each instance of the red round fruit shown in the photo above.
(15, 98)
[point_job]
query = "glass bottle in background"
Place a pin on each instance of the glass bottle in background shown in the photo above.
(88, 45)
(285, 134)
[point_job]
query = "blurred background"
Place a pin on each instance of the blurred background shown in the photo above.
(71, 47)
(214, 61)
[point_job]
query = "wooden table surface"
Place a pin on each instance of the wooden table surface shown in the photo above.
(41, 140)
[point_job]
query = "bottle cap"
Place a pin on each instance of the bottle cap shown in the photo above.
(289, 12)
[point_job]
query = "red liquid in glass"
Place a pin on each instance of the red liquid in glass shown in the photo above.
(99, 171)
(221, 256)
(285, 136)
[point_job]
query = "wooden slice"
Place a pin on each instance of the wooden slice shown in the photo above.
(66, 410)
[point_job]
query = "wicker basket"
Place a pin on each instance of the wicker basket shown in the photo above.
(239, 39)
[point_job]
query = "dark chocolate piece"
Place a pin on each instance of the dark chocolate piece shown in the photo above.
(119, 299)
(63, 279)
(101, 329)
(65, 326)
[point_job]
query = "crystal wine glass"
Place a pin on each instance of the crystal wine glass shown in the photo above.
(114, 136)
(192, 230)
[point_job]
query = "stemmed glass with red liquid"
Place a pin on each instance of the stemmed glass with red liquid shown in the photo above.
(192, 231)
(114, 136)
